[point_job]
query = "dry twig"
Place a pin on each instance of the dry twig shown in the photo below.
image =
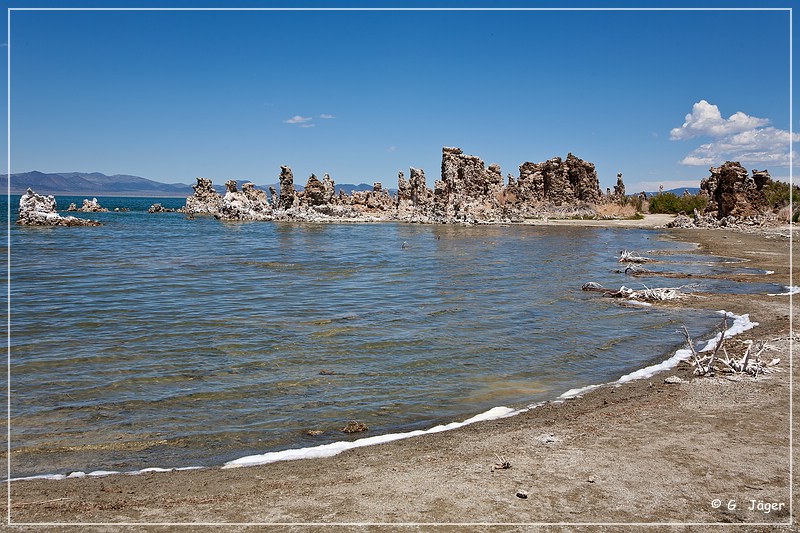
(501, 464)
(41, 502)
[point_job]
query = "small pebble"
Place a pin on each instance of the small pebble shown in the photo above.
(673, 380)
(522, 494)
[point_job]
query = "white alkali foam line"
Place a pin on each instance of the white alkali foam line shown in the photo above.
(101, 473)
(573, 393)
(325, 450)
(740, 324)
(790, 289)
(335, 448)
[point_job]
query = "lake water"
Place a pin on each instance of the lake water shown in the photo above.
(159, 341)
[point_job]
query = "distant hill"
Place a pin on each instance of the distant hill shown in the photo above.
(348, 188)
(678, 191)
(98, 184)
(94, 183)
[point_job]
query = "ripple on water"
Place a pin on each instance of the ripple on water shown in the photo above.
(171, 342)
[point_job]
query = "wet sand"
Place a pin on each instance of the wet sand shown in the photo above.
(640, 453)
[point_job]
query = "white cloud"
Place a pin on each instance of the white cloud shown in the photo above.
(326, 116)
(307, 125)
(766, 146)
(739, 138)
(391, 148)
(705, 119)
(297, 119)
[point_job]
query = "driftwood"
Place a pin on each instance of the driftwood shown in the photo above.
(644, 295)
(751, 364)
(631, 257)
(634, 269)
(704, 366)
(710, 364)
(501, 464)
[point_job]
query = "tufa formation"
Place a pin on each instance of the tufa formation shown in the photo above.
(732, 192)
(38, 210)
(735, 199)
(89, 206)
(467, 192)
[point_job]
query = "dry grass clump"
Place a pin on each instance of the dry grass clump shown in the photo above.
(615, 210)
(786, 216)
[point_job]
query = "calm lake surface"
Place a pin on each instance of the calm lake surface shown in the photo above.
(158, 341)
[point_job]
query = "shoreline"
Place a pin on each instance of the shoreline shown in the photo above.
(741, 323)
(86, 499)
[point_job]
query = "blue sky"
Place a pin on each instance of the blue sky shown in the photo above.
(173, 95)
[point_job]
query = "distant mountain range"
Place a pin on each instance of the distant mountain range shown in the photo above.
(97, 184)
(93, 183)
(678, 191)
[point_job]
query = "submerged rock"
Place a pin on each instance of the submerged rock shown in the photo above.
(158, 208)
(355, 427)
(38, 210)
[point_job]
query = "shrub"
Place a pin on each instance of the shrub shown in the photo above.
(777, 194)
(673, 204)
(635, 201)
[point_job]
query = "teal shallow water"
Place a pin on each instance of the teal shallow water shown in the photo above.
(157, 341)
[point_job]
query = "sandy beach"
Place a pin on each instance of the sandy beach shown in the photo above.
(704, 452)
